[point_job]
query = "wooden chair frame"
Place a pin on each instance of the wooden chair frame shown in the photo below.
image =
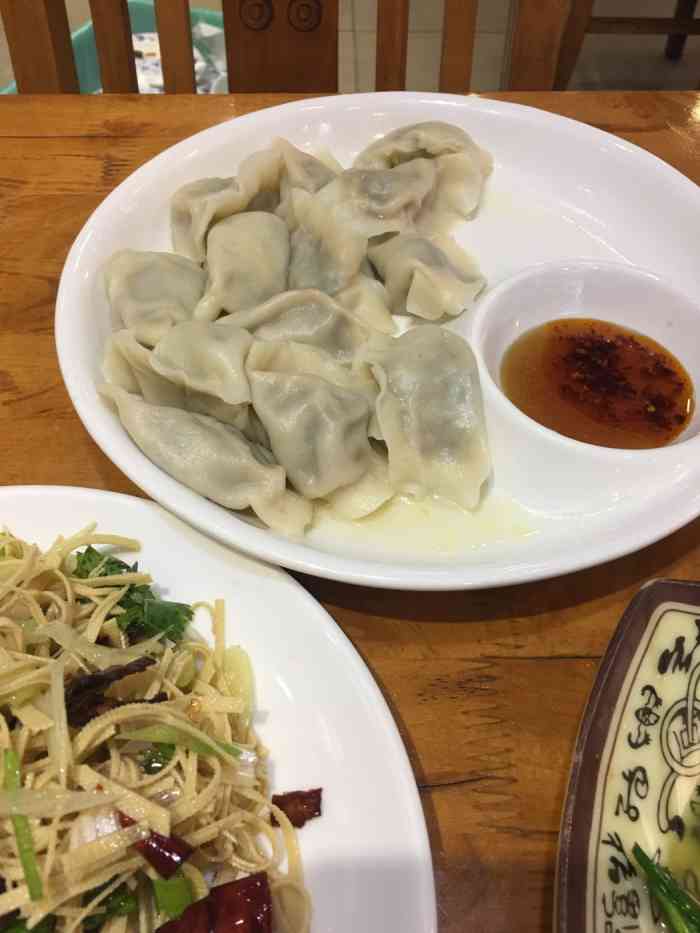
(547, 36)
(271, 45)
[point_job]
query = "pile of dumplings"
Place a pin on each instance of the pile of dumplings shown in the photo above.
(259, 363)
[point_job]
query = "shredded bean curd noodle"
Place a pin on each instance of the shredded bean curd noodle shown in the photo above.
(73, 781)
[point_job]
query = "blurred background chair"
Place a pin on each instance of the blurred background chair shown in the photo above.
(547, 36)
(271, 45)
(325, 45)
(581, 21)
(290, 46)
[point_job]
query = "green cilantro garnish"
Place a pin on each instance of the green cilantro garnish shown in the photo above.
(144, 614)
(91, 563)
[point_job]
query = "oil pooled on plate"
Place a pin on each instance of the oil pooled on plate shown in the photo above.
(431, 528)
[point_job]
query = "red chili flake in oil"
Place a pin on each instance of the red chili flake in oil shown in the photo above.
(599, 382)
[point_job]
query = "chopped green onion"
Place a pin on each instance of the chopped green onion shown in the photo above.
(681, 911)
(23, 832)
(173, 896)
(172, 735)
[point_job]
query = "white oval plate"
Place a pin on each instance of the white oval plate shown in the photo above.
(559, 190)
(321, 715)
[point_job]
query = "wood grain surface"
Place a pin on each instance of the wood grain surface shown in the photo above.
(487, 687)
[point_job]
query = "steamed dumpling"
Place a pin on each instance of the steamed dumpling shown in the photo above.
(177, 380)
(461, 166)
(276, 363)
(129, 365)
(271, 174)
(324, 255)
(196, 206)
(333, 226)
(431, 414)
(309, 317)
(239, 416)
(317, 429)
(304, 172)
(315, 361)
(427, 140)
(213, 459)
(151, 292)
(367, 494)
(265, 181)
(206, 357)
(427, 278)
(368, 301)
(247, 261)
(371, 202)
(457, 192)
(291, 357)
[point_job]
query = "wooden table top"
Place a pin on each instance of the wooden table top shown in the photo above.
(487, 687)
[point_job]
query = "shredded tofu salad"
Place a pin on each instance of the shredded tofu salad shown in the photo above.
(134, 789)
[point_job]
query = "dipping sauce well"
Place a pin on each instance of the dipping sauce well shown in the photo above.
(598, 382)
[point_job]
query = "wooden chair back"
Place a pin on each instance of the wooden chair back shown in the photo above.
(271, 45)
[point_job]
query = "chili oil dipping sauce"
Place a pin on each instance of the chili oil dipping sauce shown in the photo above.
(598, 382)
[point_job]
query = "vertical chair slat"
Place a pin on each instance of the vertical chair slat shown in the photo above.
(39, 40)
(537, 28)
(282, 45)
(392, 44)
(110, 20)
(458, 30)
(685, 9)
(175, 38)
(572, 39)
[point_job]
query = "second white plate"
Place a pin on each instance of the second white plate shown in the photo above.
(320, 714)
